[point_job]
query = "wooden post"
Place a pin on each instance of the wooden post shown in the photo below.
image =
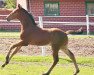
(41, 26)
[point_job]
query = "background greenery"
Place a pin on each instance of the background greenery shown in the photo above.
(10, 4)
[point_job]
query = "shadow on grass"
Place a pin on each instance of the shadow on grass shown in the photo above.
(66, 60)
(85, 64)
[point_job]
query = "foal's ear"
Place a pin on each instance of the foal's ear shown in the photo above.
(19, 6)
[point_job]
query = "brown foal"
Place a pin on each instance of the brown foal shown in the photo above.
(32, 34)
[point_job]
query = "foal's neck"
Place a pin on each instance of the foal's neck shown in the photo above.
(26, 22)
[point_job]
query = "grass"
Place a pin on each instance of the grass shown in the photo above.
(36, 65)
(9, 34)
(16, 34)
(80, 36)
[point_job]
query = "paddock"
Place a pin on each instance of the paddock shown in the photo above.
(31, 56)
(80, 45)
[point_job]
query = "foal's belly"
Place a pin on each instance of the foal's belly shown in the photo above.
(39, 43)
(40, 40)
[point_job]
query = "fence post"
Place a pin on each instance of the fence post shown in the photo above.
(41, 26)
(87, 23)
(40, 22)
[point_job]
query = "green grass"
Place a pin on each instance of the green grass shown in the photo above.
(15, 34)
(80, 36)
(9, 34)
(49, 59)
(36, 65)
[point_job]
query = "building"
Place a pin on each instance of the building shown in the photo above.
(59, 7)
(62, 8)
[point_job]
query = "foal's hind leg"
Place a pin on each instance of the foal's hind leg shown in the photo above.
(71, 56)
(18, 45)
(55, 58)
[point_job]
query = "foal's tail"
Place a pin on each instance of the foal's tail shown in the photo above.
(79, 31)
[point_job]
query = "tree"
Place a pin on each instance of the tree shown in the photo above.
(10, 4)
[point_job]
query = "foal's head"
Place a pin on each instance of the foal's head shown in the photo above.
(20, 14)
(15, 13)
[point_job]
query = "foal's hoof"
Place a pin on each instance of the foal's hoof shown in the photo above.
(76, 72)
(3, 66)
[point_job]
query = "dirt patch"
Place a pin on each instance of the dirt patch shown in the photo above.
(80, 47)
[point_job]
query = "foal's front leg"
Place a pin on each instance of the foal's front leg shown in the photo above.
(8, 57)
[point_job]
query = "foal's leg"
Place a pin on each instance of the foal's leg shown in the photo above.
(55, 58)
(71, 56)
(15, 51)
(18, 45)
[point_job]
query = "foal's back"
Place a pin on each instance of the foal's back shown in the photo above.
(42, 36)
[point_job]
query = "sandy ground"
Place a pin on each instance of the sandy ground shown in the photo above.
(80, 47)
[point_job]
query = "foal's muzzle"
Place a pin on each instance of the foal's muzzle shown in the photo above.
(7, 19)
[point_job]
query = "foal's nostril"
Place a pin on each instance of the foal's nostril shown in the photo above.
(7, 19)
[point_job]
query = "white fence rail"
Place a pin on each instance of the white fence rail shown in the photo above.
(87, 23)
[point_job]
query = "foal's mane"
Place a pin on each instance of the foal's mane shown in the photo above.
(30, 15)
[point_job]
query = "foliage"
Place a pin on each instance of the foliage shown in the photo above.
(10, 4)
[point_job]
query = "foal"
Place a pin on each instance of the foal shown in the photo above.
(32, 34)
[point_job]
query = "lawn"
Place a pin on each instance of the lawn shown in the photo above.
(17, 34)
(9, 34)
(36, 65)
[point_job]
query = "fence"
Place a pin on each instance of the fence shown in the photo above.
(41, 22)
(87, 23)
